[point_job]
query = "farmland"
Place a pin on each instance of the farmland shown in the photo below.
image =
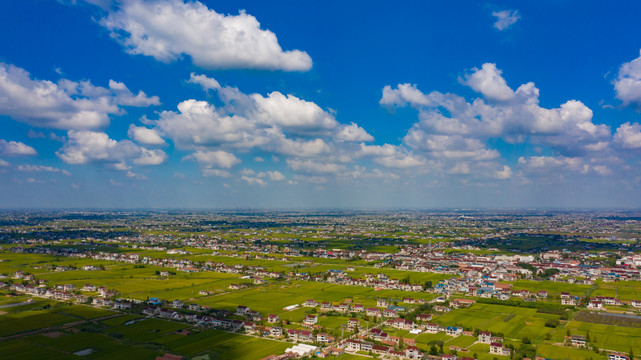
(176, 284)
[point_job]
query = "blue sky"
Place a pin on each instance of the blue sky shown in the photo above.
(173, 103)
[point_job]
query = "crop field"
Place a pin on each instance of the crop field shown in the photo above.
(147, 330)
(513, 322)
(224, 345)
(564, 352)
(611, 337)
(628, 290)
(553, 288)
(269, 299)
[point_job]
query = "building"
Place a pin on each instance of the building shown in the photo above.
(499, 349)
(578, 341)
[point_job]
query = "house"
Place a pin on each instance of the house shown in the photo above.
(431, 328)
(272, 319)
(578, 341)
(311, 319)
(352, 324)
(276, 331)
(326, 306)
(570, 301)
(485, 337)
(412, 352)
(310, 303)
(453, 331)
(373, 312)
(542, 294)
(357, 308)
(636, 303)
(618, 356)
(242, 310)
(389, 313)
(595, 304)
(353, 345)
(382, 303)
(123, 305)
(459, 303)
(177, 304)
(499, 349)
(343, 307)
(423, 317)
(305, 335)
(194, 307)
(324, 338)
(448, 357)
(380, 349)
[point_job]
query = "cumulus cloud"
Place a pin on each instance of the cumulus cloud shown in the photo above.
(145, 136)
(505, 18)
(273, 175)
(63, 105)
(628, 136)
(168, 29)
(15, 148)
(628, 82)
(389, 156)
(84, 147)
(512, 115)
(353, 132)
(506, 173)
(314, 167)
(488, 81)
(253, 180)
(218, 158)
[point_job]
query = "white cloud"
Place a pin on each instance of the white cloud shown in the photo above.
(628, 136)
(169, 29)
(628, 82)
(505, 18)
(313, 167)
(514, 116)
(4, 163)
(65, 105)
(218, 158)
(488, 81)
(14, 148)
(259, 159)
(145, 136)
(275, 175)
(291, 113)
(404, 94)
(253, 180)
(207, 83)
(506, 173)
(125, 97)
(85, 147)
(353, 132)
(461, 168)
(545, 164)
(42, 168)
(150, 157)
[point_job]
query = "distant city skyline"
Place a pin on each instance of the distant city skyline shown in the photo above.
(242, 104)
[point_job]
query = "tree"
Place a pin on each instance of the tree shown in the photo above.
(433, 350)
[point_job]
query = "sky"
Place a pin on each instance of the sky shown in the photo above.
(293, 104)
